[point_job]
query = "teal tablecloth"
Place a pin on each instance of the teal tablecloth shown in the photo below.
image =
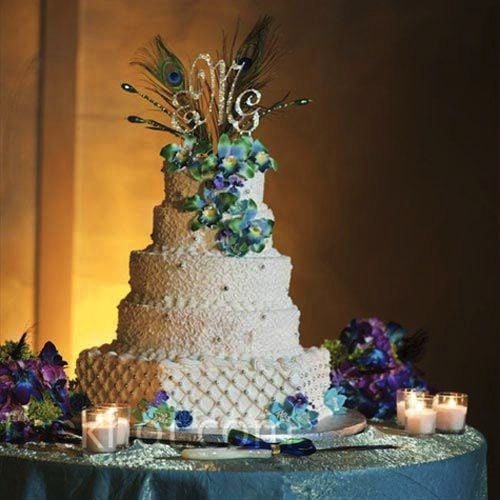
(442, 466)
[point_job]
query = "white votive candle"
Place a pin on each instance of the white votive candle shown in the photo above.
(99, 431)
(402, 396)
(420, 416)
(122, 412)
(451, 411)
(123, 431)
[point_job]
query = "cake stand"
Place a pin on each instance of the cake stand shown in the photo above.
(349, 423)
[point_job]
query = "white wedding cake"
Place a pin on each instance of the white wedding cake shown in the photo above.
(219, 334)
(209, 319)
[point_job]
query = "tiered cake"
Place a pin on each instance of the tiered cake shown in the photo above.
(209, 319)
(218, 333)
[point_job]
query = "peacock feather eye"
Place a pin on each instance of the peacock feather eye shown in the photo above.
(246, 62)
(172, 74)
(174, 78)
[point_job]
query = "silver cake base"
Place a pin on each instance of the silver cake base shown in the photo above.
(352, 422)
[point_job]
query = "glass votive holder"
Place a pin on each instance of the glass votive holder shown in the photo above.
(420, 415)
(99, 430)
(122, 412)
(451, 410)
(401, 396)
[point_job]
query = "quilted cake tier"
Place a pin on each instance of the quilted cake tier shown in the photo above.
(219, 391)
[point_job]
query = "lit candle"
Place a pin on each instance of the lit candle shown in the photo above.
(403, 395)
(420, 417)
(451, 409)
(123, 421)
(99, 431)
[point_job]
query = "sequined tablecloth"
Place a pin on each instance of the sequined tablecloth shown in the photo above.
(442, 466)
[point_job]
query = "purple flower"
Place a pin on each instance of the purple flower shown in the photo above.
(161, 397)
(298, 401)
(371, 372)
(52, 374)
(50, 355)
(232, 183)
(26, 381)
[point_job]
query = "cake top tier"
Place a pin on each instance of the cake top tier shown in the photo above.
(212, 107)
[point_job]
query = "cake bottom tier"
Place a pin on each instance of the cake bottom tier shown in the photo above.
(218, 391)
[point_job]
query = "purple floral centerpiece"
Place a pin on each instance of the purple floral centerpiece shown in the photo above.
(34, 395)
(371, 360)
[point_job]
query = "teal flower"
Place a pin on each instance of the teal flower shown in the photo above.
(290, 414)
(211, 206)
(257, 232)
(335, 400)
(243, 232)
(261, 158)
(233, 157)
(279, 415)
(191, 155)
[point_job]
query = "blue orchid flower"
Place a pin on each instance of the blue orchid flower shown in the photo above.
(261, 158)
(189, 155)
(233, 157)
(210, 207)
(292, 412)
(334, 400)
(26, 384)
(279, 416)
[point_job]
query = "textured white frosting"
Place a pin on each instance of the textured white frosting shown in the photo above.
(206, 279)
(214, 388)
(218, 333)
(215, 331)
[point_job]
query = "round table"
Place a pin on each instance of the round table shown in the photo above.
(440, 466)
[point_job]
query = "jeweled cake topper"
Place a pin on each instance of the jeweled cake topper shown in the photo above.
(213, 97)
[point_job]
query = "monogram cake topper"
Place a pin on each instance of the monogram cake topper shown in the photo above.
(213, 97)
(220, 87)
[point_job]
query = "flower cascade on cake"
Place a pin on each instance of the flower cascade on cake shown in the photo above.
(209, 319)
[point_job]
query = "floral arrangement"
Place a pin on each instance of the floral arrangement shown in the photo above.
(213, 107)
(34, 392)
(219, 203)
(160, 415)
(295, 411)
(371, 360)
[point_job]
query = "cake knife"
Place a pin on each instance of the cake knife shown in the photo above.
(230, 453)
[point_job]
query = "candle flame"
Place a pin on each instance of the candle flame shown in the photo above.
(452, 402)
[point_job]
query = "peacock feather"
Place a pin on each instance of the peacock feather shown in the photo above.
(167, 79)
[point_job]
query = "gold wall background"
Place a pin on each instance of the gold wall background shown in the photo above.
(387, 199)
(19, 50)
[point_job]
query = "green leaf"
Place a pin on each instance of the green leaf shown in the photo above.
(208, 165)
(196, 173)
(226, 201)
(172, 167)
(169, 151)
(274, 164)
(242, 206)
(235, 224)
(258, 247)
(224, 140)
(189, 141)
(248, 170)
(193, 203)
(195, 224)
